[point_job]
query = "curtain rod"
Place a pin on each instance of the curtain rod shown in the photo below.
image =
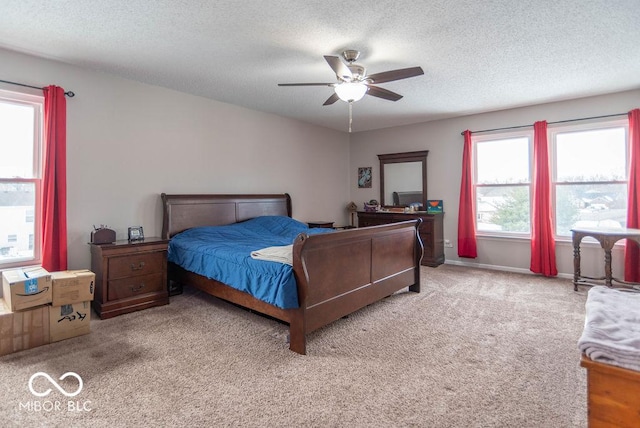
(70, 94)
(549, 123)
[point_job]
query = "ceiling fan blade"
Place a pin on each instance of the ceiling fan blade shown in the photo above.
(339, 67)
(306, 84)
(383, 93)
(388, 76)
(332, 99)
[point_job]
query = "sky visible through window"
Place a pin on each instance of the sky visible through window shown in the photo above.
(18, 180)
(16, 140)
(503, 161)
(594, 155)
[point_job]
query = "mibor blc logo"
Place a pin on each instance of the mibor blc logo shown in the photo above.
(40, 389)
(54, 383)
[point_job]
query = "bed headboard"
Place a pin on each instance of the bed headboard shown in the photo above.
(182, 212)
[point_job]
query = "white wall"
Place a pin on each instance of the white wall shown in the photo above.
(443, 140)
(127, 142)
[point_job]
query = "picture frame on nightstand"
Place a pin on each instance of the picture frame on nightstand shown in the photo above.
(135, 233)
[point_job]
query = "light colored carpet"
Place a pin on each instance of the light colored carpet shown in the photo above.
(476, 348)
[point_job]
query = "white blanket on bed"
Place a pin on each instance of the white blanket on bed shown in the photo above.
(612, 327)
(280, 254)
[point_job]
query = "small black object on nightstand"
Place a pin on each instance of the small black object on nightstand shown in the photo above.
(325, 224)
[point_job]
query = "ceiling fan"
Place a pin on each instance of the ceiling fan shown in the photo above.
(353, 83)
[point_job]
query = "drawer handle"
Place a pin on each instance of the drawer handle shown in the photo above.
(139, 267)
(137, 288)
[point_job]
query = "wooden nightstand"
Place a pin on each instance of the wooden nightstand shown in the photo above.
(129, 276)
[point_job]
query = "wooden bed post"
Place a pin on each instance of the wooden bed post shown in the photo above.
(297, 323)
(297, 335)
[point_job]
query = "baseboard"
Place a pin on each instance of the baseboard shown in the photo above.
(500, 268)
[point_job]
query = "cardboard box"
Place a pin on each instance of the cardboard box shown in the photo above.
(68, 321)
(23, 330)
(72, 286)
(26, 288)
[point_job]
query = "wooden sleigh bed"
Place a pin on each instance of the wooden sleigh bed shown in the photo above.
(336, 273)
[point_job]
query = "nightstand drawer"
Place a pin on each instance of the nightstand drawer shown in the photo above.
(135, 286)
(135, 265)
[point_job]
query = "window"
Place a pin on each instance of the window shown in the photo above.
(503, 183)
(590, 176)
(20, 177)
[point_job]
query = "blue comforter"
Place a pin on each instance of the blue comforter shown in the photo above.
(223, 253)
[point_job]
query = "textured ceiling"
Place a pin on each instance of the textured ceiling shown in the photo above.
(477, 55)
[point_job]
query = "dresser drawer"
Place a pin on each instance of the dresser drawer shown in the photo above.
(367, 223)
(426, 226)
(135, 286)
(427, 252)
(136, 265)
(427, 239)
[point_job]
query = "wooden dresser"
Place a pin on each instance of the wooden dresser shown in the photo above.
(431, 231)
(129, 276)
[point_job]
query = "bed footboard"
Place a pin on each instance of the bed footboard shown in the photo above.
(339, 273)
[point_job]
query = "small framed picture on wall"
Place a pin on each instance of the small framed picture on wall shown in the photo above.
(364, 177)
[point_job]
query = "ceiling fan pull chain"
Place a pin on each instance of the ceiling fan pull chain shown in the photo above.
(350, 114)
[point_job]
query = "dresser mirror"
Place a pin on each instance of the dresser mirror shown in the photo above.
(403, 179)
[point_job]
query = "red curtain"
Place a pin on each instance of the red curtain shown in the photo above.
(54, 181)
(466, 211)
(631, 250)
(543, 244)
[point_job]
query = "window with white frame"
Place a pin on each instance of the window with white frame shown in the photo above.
(503, 183)
(590, 178)
(21, 117)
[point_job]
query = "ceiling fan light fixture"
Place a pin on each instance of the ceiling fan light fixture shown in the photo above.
(351, 91)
